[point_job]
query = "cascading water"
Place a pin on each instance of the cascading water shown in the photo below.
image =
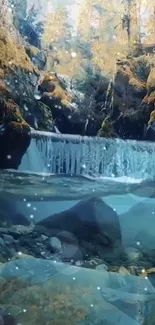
(76, 155)
(107, 99)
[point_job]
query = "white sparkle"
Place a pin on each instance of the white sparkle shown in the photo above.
(28, 205)
(91, 305)
(73, 278)
(145, 289)
(98, 288)
(73, 54)
(31, 216)
(138, 243)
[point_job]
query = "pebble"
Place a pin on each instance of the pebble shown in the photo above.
(8, 239)
(20, 256)
(133, 254)
(2, 242)
(133, 269)
(43, 237)
(122, 270)
(55, 243)
(102, 267)
(151, 271)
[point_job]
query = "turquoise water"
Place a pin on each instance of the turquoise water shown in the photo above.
(110, 298)
(117, 284)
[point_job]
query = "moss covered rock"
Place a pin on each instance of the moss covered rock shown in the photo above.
(37, 57)
(55, 95)
(107, 130)
(18, 79)
(133, 98)
(130, 83)
(14, 135)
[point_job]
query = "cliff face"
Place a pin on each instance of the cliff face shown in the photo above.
(132, 98)
(95, 105)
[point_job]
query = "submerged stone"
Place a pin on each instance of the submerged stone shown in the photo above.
(91, 221)
(54, 292)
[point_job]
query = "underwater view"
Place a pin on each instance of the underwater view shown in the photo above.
(77, 162)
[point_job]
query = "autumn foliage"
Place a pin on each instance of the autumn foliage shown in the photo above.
(110, 29)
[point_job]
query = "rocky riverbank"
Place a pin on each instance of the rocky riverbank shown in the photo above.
(32, 87)
(47, 267)
(93, 240)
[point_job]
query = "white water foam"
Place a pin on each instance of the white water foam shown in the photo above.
(96, 157)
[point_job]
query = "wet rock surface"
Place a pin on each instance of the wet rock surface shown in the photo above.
(34, 289)
(87, 235)
(46, 273)
(14, 135)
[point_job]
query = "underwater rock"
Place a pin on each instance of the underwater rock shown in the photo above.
(43, 290)
(9, 214)
(102, 267)
(20, 256)
(8, 239)
(132, 254)
(138, 224)
(14, 135)
(91, 221)
(7, 319)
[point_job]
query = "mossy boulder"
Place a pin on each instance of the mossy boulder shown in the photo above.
(152, 118)
(133, 98)
(151, 82)
(107, 130)
(13, 55)
(55, 95)
(150, 130)
(149, 99)
(37, 114)
(14, 135)
(130, 83)
(18, 79)
(37, 57)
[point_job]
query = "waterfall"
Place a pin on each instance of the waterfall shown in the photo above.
(77, 155)
(105, 106)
